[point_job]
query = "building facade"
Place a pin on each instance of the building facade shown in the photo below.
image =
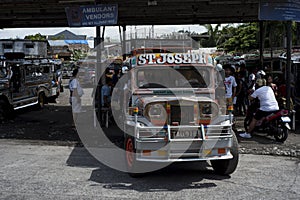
(31, 48)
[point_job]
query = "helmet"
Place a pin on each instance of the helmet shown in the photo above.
(260, 74)
(219, 67)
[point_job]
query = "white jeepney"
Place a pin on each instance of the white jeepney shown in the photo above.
(174, 113)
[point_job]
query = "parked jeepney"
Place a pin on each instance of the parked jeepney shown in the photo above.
(23, 83)
(174, 114)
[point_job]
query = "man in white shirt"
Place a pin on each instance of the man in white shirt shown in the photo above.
(76, 93)
(268, 104)
(230, 85)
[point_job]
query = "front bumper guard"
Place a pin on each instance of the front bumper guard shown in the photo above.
(212, 142)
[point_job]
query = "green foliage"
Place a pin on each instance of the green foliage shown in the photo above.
(213, 34)
(245, 37)
(37, 36)
(77, 54)
(60, 37)
(242, 38)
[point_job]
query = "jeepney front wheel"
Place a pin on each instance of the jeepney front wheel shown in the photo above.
(133, 166)
(41, 100)
(226, 167)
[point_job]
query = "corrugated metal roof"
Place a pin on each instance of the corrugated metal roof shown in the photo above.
(57, 43)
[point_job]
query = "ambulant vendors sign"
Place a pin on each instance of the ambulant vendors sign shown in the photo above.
(94, 15)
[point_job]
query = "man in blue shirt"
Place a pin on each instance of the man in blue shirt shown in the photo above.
(106, 93)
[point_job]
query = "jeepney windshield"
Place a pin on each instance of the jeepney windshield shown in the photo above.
(173, 77)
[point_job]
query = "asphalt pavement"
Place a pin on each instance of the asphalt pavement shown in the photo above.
(31, 171)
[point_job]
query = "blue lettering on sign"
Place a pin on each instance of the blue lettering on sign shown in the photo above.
(95, 15)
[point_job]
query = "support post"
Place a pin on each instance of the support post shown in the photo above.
(124, 43)
(261, 44)
(288, 63)
(99, 71)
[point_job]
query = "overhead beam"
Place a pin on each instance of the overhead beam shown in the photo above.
(37, 13)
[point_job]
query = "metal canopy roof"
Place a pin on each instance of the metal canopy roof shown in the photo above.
(51, 13)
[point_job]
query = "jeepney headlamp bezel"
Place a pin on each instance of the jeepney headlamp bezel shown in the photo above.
(156, 112)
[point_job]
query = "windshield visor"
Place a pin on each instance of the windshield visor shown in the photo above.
(173, 77)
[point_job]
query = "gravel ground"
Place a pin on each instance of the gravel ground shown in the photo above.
(266, 145)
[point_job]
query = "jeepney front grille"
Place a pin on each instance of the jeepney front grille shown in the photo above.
(183, 115)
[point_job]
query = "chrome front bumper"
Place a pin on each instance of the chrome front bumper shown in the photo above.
(212, 142)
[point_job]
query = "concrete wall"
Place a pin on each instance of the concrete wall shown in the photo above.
(28, 47)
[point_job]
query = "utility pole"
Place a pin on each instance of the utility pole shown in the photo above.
(261, 44)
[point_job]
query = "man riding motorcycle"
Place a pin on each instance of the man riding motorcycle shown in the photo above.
(268, 104)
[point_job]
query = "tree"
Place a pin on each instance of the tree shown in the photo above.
(213, 35)
(37, 36)
(274, 34)
(78, 54)
(242, 38)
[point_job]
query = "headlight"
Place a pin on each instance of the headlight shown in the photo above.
(156, 113)
(2, 86)
(208, 109)
(155, 110)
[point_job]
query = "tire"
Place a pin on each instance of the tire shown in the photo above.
(6, 111)
(281, 134)
(226, 167)
(130, 158)
(41, 100)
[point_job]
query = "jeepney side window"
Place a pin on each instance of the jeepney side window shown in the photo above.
(29, 70)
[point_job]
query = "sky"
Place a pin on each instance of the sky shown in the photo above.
(112, 32)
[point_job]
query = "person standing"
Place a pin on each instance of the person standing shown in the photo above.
(106, 92)
(242, 90)
(230, 85)
(251, 80)
(76, 93)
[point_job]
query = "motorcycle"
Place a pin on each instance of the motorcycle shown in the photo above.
(276, 124)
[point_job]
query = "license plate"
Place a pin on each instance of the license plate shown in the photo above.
(188, 134)
(286, 119)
